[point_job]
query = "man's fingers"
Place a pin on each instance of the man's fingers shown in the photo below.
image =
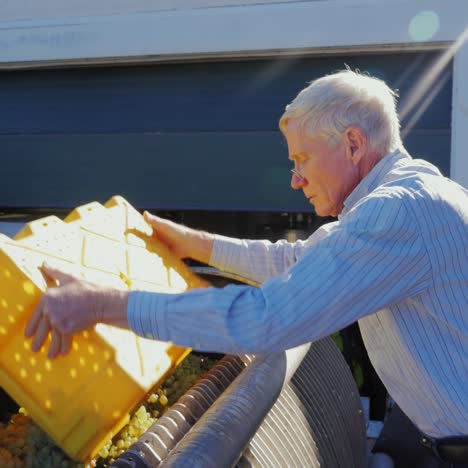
(42, 331)
(148, 216)
(60, 344)
(31, 327)
(55, 344)
(56, 274)
(151, 219)
(161, 228)
(156, 222)
(165, 230)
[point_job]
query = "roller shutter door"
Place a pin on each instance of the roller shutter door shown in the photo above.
(184, 136)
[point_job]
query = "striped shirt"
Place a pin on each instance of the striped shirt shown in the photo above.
(396, 260)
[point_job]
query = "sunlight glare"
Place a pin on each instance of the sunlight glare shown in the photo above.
(432, 77)
(424, 26)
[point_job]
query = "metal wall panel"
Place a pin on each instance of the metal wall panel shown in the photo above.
(184, 136)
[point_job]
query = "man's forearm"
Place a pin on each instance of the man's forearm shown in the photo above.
(113, 305)
(201, 245)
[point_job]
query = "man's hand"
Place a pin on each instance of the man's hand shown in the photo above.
(73, 306)
(181, 240)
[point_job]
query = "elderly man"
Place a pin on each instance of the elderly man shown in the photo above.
(396, 261)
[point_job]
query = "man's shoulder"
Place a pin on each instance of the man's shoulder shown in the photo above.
(381, 209)
(410, 174)
(414, 180)
(409, 189)
(418, 195)
(419, 181)
(403, 187)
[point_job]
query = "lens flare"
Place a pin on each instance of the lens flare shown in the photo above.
(424, 26)
(433, 80)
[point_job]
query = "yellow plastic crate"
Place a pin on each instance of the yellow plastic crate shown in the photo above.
(84, 398)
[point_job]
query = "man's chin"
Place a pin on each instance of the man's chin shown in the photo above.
(324, 211)
(321, 211)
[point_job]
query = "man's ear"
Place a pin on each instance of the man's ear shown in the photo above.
(356, 144)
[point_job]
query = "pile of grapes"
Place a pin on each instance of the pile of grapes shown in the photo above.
(25, 445)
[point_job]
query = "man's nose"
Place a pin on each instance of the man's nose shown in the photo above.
(297, 181)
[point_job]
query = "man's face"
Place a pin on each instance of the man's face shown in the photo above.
(328, 172)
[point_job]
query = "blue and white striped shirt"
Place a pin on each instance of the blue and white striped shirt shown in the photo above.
(396, 260)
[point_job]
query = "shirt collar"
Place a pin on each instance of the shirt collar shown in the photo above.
(372, 180)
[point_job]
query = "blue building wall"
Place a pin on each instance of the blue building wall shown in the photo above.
(184, 136)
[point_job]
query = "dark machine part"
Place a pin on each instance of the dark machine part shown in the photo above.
(224, 431)
(317, 420)
(156, 443)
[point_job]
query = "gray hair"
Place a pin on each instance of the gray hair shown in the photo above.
(333, 103)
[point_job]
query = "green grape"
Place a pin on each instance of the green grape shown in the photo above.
(153, 398)
(24, 445)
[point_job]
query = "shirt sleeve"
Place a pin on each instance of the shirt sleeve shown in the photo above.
(259, 260)
(373, 258)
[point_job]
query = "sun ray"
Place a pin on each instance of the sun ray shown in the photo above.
(432, 76)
